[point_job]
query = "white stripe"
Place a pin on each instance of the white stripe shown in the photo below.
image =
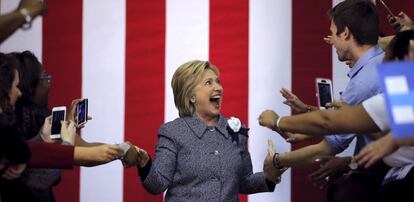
(22, 40)
(187, 38)
(270, 64)
(340, 80)
(103, 79)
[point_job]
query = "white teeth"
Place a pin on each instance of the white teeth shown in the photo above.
(216, 97)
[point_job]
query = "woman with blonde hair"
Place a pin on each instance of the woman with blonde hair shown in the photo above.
(201, 156)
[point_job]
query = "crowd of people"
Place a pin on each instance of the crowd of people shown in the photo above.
(202, 155)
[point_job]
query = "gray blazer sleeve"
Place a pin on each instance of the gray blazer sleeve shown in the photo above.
(163, 167)
(252, 182)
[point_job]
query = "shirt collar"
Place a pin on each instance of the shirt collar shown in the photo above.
(199, 127)
(371, 53)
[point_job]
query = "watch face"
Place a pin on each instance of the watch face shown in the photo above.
(353, 165)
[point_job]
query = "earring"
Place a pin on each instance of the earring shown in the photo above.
(193, 99)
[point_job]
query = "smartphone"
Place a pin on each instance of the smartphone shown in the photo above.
(387, 8)
(82, 112)
(324, 92)
(58, 115)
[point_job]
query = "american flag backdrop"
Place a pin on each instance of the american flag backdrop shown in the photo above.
(121, 54)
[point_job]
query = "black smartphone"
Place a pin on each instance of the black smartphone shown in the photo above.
(82, 112)
(58, 115)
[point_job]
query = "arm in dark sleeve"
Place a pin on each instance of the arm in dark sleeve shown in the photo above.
(143, 172)
(253, 182)
(163, 165)
(47, 155)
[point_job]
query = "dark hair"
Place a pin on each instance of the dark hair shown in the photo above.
(29, 70)
(7, 74)
(29, 116)
(399, 46)
(360, 16)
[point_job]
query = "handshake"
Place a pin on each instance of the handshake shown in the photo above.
(272, 168)
(133, 155)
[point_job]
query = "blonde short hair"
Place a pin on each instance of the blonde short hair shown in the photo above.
(184, 80)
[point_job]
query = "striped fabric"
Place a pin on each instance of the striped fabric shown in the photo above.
(121, 54)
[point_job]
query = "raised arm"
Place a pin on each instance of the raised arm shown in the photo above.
(27, 10)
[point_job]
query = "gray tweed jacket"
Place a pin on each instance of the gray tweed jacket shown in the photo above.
(200, 163)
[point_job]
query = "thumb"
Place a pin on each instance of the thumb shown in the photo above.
(270, 148)
(337, 104)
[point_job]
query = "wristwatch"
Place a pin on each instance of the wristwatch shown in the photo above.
(276, 161)
(27, 18)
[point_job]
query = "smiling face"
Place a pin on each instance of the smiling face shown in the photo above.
(208, 95)
(339, 42)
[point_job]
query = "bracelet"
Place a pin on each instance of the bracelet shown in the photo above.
(278, 123)
(276, 161)
(278, 180)
(27, 18)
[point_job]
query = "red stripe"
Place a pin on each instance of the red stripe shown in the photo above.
(144, 84)
(229, 40)
(311, 58)
(62, 58)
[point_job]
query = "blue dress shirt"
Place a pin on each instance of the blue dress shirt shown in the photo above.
(362, 85)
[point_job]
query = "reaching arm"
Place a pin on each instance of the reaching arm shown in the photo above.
(306, 155)
(10, 22)
(349, 119)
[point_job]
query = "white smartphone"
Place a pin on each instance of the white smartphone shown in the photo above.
(82, 112)
(58, 115)
(324, 92)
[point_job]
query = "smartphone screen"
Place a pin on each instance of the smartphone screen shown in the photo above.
(324, 94)
(82, 112)
(57, 117)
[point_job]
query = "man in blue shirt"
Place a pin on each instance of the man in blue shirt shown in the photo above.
(354, 33)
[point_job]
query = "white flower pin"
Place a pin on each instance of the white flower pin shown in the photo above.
(234, 124)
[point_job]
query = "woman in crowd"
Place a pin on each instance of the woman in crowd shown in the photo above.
(31, 112)
(201, 156)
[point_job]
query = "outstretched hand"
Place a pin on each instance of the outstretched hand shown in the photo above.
(270, 172)
(375, 151)
(293, 101)
(329, 171)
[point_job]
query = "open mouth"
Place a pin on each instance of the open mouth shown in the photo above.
(215, 100)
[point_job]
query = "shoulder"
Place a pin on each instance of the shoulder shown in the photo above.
(171, 126)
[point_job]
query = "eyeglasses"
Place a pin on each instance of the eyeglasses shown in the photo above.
(46, 77)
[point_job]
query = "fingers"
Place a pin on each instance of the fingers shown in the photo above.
(14, 171)
(270, 148)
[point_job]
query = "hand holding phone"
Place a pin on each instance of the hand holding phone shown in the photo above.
(58, 115)
(82, 112)
(324, 92)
